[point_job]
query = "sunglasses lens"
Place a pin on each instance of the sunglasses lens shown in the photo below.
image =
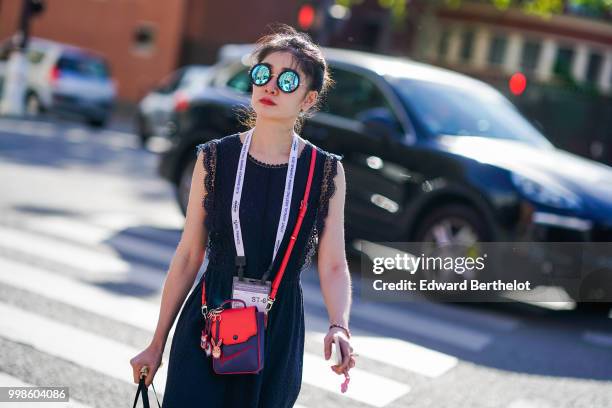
(260, 74)
(288, 81)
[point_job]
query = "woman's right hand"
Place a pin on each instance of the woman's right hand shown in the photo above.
(150, 357)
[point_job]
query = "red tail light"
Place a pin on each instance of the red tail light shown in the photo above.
(181, 102)
(54, 74)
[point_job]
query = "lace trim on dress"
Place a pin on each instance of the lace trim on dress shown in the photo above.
(209, 162)
(270, 165)
(311, 246)
(328, 188)
(214, 245)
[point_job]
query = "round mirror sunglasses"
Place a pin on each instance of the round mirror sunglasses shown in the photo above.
(287, 81)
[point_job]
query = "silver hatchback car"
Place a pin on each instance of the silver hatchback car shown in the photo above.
(66, 78)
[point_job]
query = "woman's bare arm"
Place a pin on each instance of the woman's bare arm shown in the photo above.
(187, 258)
(332, 264)
(335, 276)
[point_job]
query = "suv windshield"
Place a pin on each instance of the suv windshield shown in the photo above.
(84, 65)
(446, 109)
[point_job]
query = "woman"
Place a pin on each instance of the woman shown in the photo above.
(289, 77)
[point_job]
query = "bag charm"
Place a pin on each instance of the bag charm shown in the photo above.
(216, 345)
(216, 349)
(205, 344)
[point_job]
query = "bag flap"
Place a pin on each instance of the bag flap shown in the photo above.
(236, 325)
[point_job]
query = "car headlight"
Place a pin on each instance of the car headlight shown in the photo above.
(552, 196)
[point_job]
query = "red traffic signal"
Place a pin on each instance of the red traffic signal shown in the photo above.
(306, 16)
(517, 83)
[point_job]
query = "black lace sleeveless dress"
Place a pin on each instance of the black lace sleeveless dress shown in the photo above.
(191, 382)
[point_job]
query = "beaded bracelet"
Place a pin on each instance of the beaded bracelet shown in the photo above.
(346, 330)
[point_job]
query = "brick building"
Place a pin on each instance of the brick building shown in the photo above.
(144, 40)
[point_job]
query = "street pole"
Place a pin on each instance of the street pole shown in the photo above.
(15, 81)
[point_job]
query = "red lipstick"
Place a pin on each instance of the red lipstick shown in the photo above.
(267, 101)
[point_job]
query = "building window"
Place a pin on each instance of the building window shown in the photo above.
(563, 62)
(530, 55)
(467, 44)
(443, 44)
(144, 38)
(497, 50)
(594, 67)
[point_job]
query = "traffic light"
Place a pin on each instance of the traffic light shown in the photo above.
(517, 83)
(306, 16)
(31, 8)
(322, 19)
(36, 7)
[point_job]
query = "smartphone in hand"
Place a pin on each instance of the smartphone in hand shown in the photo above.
(336, 351)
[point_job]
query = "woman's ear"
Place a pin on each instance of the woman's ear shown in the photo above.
(309, 100)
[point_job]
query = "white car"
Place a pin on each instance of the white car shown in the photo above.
(66, 78)
(173, 92)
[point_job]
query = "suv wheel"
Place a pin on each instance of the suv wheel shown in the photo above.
(451, 230)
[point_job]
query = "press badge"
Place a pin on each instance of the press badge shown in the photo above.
(251, 291)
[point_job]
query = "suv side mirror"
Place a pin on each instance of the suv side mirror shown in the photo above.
(380, 122)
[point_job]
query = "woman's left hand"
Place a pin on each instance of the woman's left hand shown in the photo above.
(348, 358)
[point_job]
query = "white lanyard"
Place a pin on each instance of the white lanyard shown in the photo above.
(282, 223)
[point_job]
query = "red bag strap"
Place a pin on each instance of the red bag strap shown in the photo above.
(294, 234)
(296, 230)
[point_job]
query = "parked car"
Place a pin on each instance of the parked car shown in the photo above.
(155, 109)
(177, 90)
(66, 78)
(430, 155)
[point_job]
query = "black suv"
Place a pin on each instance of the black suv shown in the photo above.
(429, 155)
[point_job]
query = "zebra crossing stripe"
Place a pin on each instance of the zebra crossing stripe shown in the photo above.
(93, 264)
(84, 259)
(91, 234)
(447, 332)
(395, 352)
(125, 309)
(364, 387)
(78, 346)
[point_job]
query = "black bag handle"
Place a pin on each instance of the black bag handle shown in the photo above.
(145, 392)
